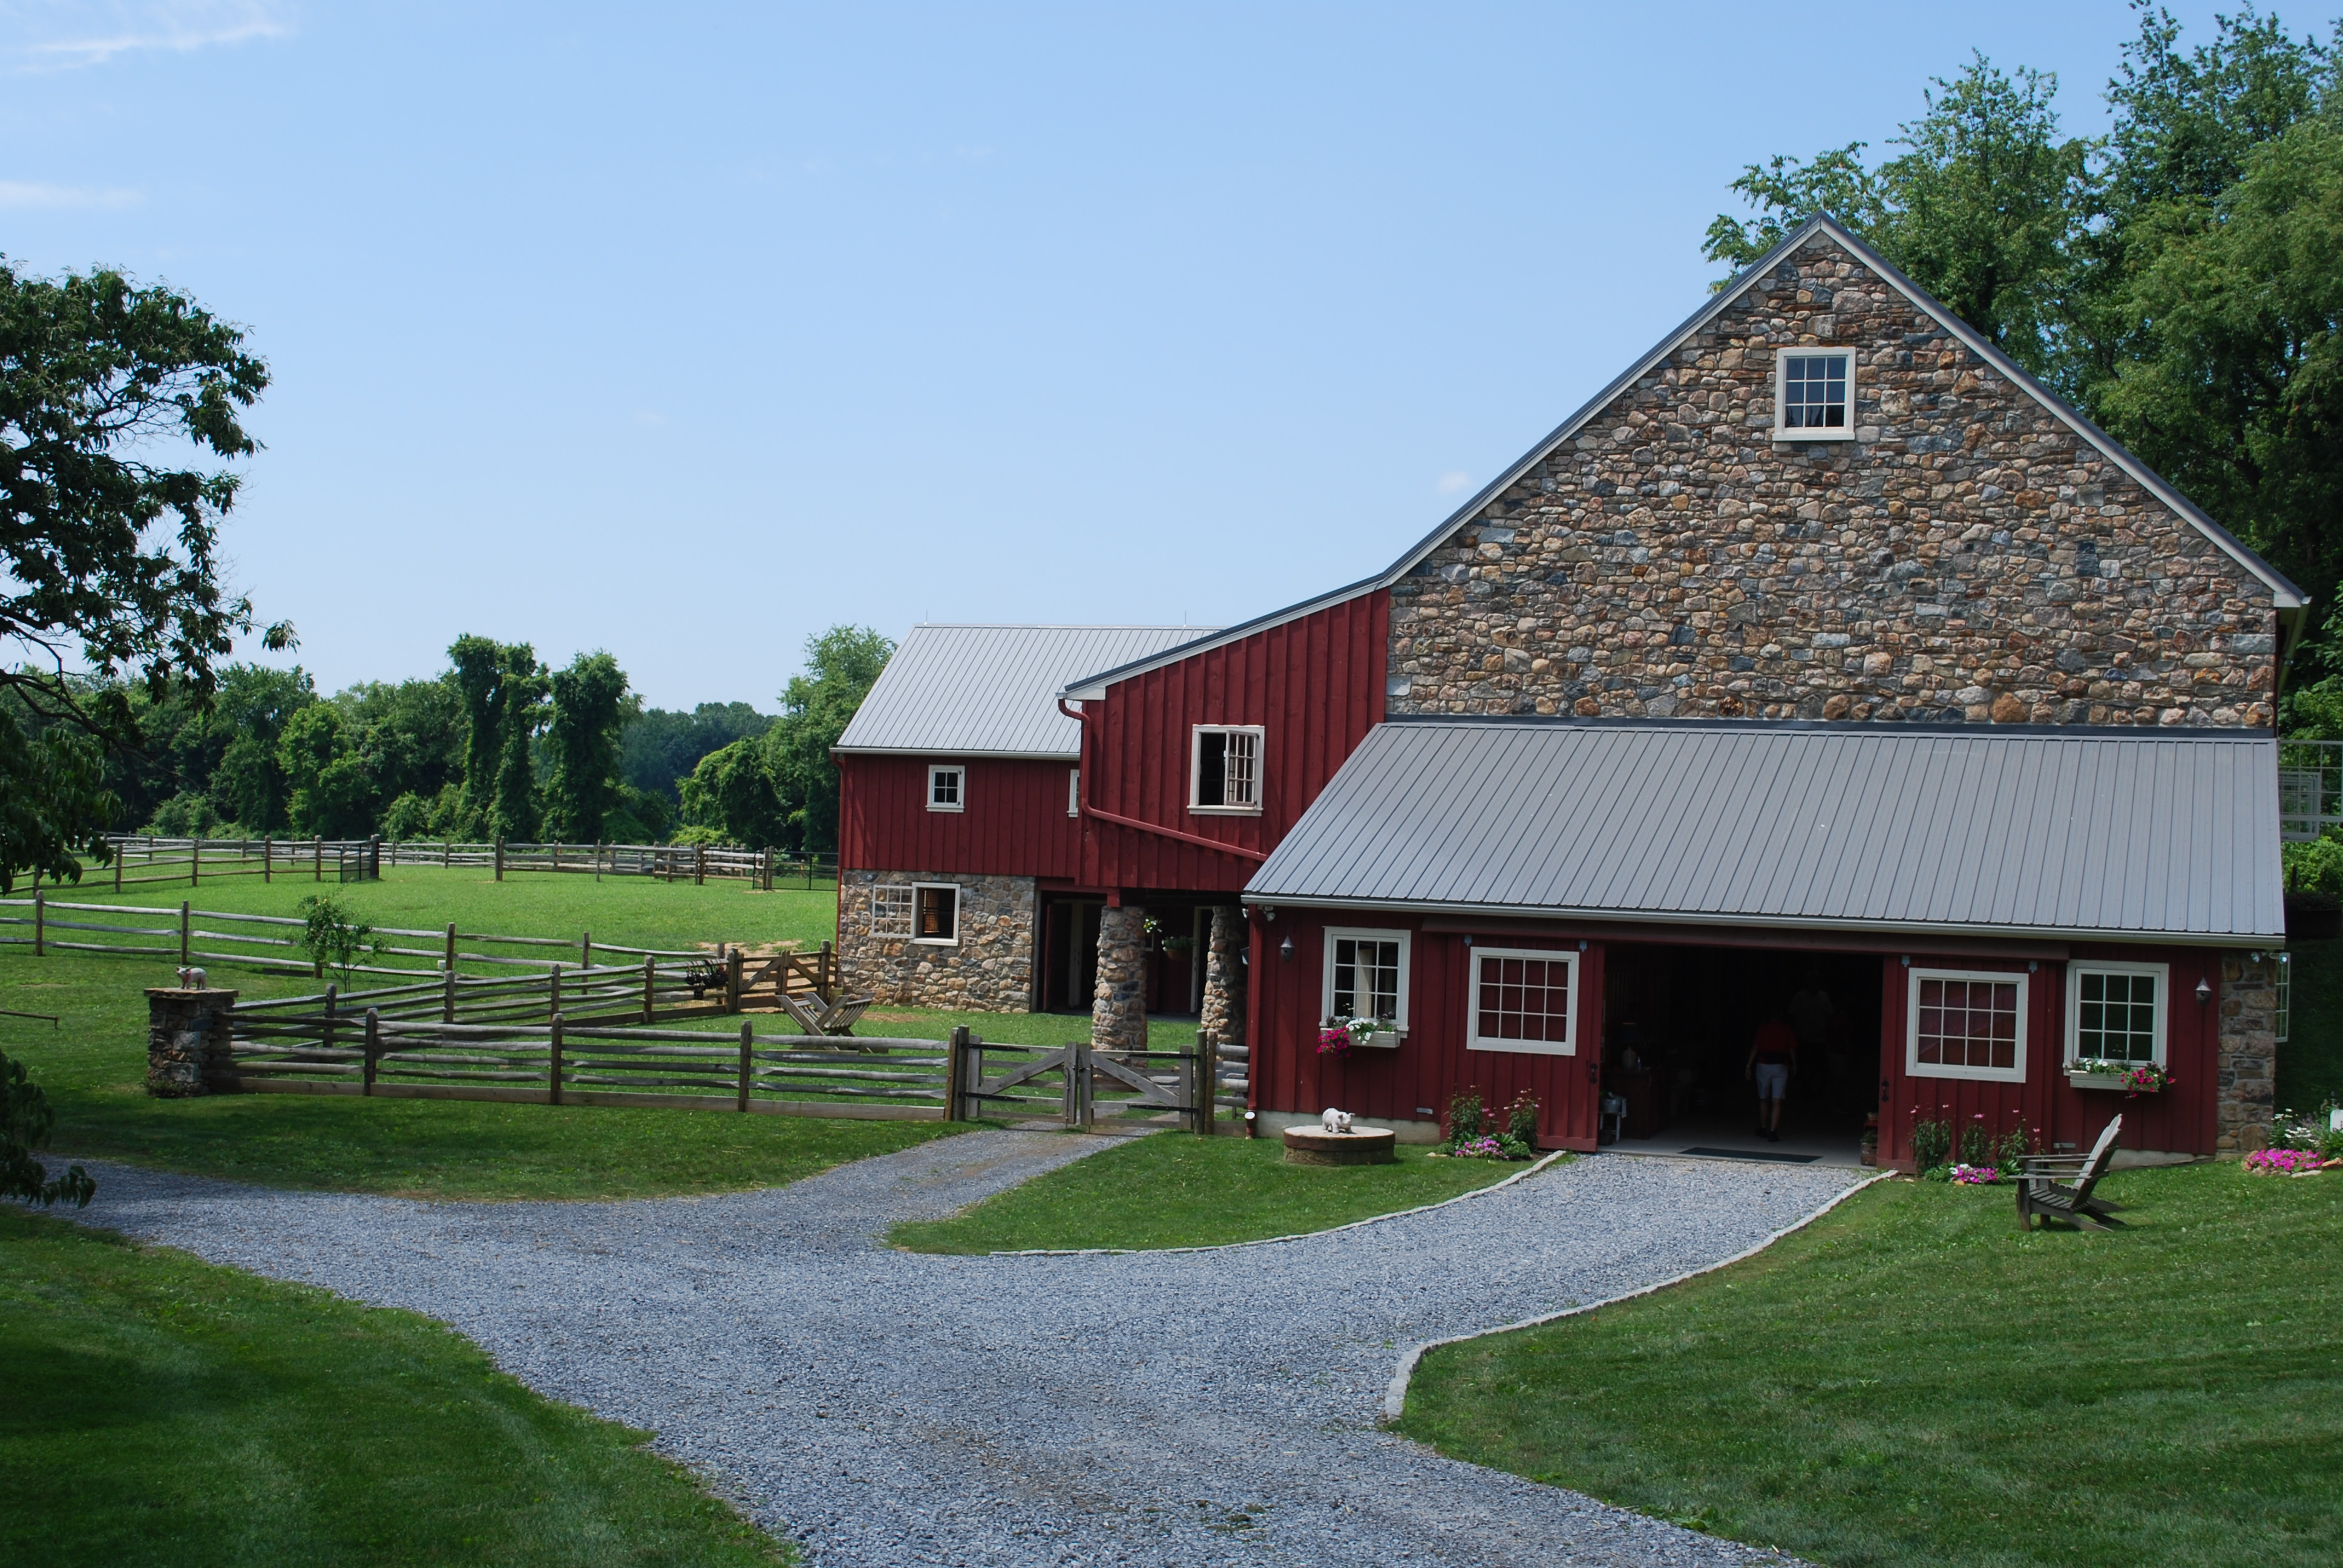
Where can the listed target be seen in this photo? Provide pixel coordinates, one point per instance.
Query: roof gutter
(1784, 922)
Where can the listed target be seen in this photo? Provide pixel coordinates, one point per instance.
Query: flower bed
(2284, 1162)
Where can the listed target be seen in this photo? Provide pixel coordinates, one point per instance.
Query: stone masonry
(1966, 557)
(989, 970)
(1224, 978)
(2247, 1054)
(1119, 1005)
(187, 1042)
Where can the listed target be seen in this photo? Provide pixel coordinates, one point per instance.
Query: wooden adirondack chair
(2059, 1185)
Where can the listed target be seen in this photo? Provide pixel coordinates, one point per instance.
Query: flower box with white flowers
(2129, 1079)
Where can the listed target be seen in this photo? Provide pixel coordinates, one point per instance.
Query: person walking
(1773, 1060)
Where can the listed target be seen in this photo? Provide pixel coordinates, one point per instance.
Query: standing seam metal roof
(2152, 835)
(991, 689)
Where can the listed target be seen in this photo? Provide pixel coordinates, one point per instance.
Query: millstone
(1359, 1146)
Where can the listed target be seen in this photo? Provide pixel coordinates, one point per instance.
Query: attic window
(1224, 768)
(1813, 394)
(947, 789)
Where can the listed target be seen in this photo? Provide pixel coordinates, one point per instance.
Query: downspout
(1083, 718)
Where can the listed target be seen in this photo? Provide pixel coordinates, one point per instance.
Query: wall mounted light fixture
(1285, 948)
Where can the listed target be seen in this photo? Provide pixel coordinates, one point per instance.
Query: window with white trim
(890, 911)
(1966, 1023)
(1224, 767)
(1813, 394)
(2115, 1013)
(947, 788)
(936, 913)
(1523, 999)
(1366, 975)
(1073, 791)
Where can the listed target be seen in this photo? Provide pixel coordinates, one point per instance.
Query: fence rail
(272, 944)
(142, 858)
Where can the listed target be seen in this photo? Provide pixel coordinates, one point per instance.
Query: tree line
(498, 746)
(2179, 279)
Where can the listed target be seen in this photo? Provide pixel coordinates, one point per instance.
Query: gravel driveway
(885, 1408)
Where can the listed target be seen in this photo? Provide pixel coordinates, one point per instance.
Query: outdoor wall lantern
(2204, 991)
(1285, 948)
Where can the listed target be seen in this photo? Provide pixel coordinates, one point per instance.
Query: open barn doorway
(1678, 1022)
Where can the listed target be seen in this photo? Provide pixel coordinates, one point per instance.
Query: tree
(105, 555)
(732, 792)
(1983, 209)
(842, 665)
(503, 690)
(26, 1121)
(591, 710)
(661, 747)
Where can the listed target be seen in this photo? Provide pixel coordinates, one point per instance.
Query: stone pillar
(1119, 1004)
(187, 1042)
(2246, 1058)
(1224, 977)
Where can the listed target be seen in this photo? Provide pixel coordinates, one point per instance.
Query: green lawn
(1912, 1380)
(156, 1410)
(94, 1066)
(1177, 1190)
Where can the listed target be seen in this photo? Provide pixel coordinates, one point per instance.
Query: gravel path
(887, 1408)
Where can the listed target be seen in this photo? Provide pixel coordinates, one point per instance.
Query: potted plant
(2129, 1079)
(1364, 1034)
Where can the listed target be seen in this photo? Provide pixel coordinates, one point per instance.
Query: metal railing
(2309, 788)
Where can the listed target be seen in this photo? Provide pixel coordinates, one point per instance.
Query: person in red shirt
(1773, 1061)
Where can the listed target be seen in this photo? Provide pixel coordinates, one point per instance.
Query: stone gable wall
(1966, 557)
(991, 970)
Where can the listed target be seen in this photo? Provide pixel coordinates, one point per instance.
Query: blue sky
(687, 330)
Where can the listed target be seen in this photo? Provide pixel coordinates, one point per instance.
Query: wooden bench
(2058, 1186)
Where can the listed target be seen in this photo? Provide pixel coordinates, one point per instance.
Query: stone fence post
(187, 1042)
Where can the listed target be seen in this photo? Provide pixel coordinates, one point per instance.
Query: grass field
(1914, 1382)
(158, 1411)
(1176, 1190)
(94, 1066)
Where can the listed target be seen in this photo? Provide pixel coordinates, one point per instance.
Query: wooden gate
(1064, 1083)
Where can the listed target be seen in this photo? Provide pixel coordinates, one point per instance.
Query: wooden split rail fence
(272, 944)
(138, 858)
(1065, 1082)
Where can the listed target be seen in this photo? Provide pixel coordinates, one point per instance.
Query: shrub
(1932, 1142)
(334, 935)
(25, 1119)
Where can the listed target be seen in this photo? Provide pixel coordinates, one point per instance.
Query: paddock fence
(139, 858)
(274, 944)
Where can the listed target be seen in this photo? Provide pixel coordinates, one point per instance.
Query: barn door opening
(1070, 930)
(1681, 1026)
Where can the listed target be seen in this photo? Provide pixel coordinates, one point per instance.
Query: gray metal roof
(2157, 835)
(967, 689)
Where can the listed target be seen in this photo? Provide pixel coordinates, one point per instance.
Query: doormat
(1756, 1154)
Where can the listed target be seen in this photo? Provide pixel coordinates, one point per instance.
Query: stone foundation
(1119, 1005)
(187, 1042)
(990, 969)
(2247, 1058)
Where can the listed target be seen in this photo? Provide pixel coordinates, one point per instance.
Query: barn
(1823, 664)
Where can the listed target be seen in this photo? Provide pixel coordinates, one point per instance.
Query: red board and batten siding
(1413, 1083)
(2178, 1120)
(1014, 822)
(1314, 684)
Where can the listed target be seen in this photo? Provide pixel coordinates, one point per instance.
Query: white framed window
(1523, 999)
(1224, 768)
(1813, 394)
(1964, 1023)
(1366, 975)
(2116, 1011)
(1073, 791)
(935, 914)
(890, 911)
(946, 787)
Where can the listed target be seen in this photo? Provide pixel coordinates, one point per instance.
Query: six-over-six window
(1966, 1023)
(1813, 396)
(1521, 1000)
(2115, 1011)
